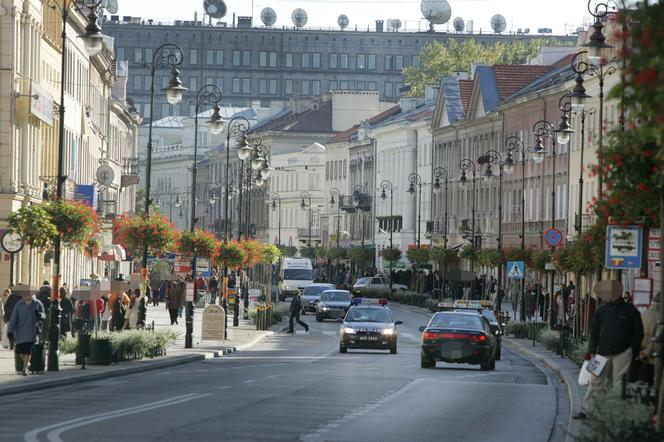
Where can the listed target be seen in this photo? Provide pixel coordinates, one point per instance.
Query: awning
(113, 253)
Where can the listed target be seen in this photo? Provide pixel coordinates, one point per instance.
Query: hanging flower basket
(391, 254)
(153, 232)
(76, 222)
(35, 226)
(270, 254)
(418, 257)
(199, 242)
(229, 254)
(443, 256)
(337, 253)
(366, 253)
(489, 258)
(252, 252)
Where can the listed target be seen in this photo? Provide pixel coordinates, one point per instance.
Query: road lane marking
(410, 337)
(249, 381)
(57, 429)
(273, 376)
(224, 387)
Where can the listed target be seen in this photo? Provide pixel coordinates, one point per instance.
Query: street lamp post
(515, 144)
(438, 173)
(93, 39)
(494, 157)
(208, 94)
(416, 180)
(387, 185)
(276, 203)
(469, 165)
(305, 202)
(237, 126)
(360, 196)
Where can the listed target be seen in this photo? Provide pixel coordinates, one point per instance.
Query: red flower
(643, 187)
(646, 76)
(648, 153)
(646, 38)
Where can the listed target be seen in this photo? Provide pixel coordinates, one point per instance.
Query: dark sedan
(370, 327)
(311, 296)
(458, 337)
(333, 304)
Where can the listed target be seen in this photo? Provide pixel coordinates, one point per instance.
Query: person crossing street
(295, 309)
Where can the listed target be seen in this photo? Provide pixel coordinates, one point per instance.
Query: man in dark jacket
(295, 309)
(616, 332)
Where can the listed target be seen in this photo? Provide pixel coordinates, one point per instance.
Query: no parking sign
(553, 237)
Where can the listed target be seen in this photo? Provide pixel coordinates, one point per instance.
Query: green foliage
(199, 242)
(439, 59)
(516, 254)
(489, 258)
(549, 338)
(76, 222)
(524, 330)
(287, 251)
(313, 252)
(539, 259)
(155, 233)
(130, 345)
(418, 256)
(469, 252)
(365, 253)
(584, 255)
(270, 254)
(443, 256)
(337, 253)
(34, 224)
(390, 254)
(577, 351)
(230, 255)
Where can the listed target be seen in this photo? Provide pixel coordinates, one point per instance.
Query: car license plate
(368, 338)
(453, 349)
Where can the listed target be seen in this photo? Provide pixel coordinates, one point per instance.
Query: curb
(123, 371)
(563, 377)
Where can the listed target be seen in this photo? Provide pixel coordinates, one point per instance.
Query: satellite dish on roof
(437, 12)
(111, 6)
(498, 23)
(343, 21)
(268, 16)
(299, 17)
(215, 8)
(458, 24)
(395, 24)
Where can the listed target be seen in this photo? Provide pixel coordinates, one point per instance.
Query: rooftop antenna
(437, 12)
(395, 24)
(498, 23)
(459, 24)
(343, 21)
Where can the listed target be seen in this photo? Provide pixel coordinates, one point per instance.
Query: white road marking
(224, 387)
(57, 429)
(249, 381)
(273, 376)
(410, 337)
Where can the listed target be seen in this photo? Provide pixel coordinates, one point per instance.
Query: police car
(368, 325)
(485, 308)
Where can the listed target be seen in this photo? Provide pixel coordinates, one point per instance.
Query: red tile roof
(347, 135)
(511, 78)
(466, 88)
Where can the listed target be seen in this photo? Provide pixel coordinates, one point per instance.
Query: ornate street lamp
(438, 174)
(416, 180)
(493, 157)
(276, 202)
(469, 165)
(386, 185)
(305, 202)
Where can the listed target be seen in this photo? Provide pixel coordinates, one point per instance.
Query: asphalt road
(298, 387)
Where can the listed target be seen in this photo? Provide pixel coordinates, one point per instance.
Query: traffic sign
(623, 247)
(553, 237)
(516, 269)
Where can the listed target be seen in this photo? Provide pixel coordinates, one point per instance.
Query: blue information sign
(623, 247)
(516, 269)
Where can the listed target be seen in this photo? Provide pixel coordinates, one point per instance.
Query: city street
(298, 387)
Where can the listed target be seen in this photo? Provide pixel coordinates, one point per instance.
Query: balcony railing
(436, 227)
(303, 233)
(350, 203)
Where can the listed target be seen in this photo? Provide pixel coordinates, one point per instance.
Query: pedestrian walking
(9, 304)
(173, 301)
(67, 314)
(24, 327)
(3, 329)
(131, 314)
(616, 333)
(162, 293)
(295, 309)
(214, 289)
(118, 312)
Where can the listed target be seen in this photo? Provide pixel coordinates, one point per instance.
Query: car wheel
(498, 353)
(304, 312)
(393, 349)
(485, 365)
(427, 363)
(492, 366)
(342, 349)
(319, 318)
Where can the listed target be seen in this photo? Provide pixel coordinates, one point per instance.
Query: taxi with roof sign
(368, 325)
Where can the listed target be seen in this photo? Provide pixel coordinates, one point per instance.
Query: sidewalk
(566, 370)
(239, 338)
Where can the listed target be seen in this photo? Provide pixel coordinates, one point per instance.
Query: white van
(295, 275)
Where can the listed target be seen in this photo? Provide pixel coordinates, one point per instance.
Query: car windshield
(490, 316)
(369, 315)
(361, 281)
(298, 274)
(315, 290)
(466, 322)
(335, 296)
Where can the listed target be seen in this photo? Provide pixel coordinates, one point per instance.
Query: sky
(562, 16)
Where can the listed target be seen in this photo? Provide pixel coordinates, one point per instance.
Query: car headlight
(349, 331)
(388, 331)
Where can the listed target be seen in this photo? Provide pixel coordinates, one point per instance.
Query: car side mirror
(423, 327)
(340, 320)
(398, 322)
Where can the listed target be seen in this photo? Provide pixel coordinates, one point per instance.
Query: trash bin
(101, 352)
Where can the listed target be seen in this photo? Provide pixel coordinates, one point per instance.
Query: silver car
(311, 296)
(333, 304)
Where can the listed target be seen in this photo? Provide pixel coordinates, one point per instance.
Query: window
(306, 87)
(246, 58)
(164, 81)
(389, 89)
(289, 60)
(416, 61)
(138, 81)
(306, 60)
(343, 61)
(236, 58)
(262, 59)
(315, 61)
(288, 87)
(193, 83)
(273, 59)
(246, 86)
(361, 85)
(272, 87)
(343, 85)
(344, 168)
(315, 87)
(334, 61)
(208, 80)
(361, 61)
(165, 110)
(333, 85)
(209, 57)
(193, 56)
(389, 62)
(236, 85)
(219, 57)
(398, 62)
(119, 53)
(327, 170)
(138, 55)
(262, 86)
(148, 55)
(371, 61)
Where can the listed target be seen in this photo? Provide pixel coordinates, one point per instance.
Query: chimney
(430, 92)
(379, 25)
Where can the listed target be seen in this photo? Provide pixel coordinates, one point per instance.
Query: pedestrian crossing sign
(515, 269)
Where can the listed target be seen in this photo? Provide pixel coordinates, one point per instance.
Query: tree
(443, 257)
(489, 258)
(390, 254)
(418, 257)
(439, 59)
(287, 251)
(337, 253)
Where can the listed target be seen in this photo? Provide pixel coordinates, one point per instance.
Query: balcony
(303, 234)
(435, 228)
(359, 202)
